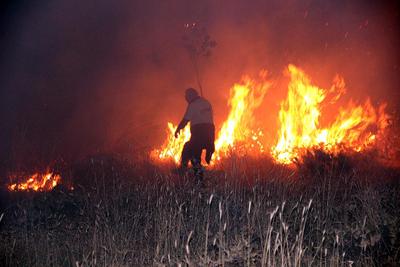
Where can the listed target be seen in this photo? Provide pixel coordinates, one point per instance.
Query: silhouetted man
(200, 115)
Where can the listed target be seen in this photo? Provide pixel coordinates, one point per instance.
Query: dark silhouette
(200, 115)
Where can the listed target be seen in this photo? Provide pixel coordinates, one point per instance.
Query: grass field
(342, 211)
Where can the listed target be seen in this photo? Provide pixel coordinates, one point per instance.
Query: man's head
(191, 94)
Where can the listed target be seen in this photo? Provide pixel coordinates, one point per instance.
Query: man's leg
(197, 167)
(210, 146)
(186, 154)
(196, 154)
(209, 152)
(196, 158)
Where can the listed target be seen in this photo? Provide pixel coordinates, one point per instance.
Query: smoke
(80, 77)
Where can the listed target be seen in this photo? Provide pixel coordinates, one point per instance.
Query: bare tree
(199, 44)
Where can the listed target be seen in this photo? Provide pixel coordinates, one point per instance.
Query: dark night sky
(84, 76)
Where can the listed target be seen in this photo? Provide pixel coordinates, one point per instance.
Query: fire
(237, 133)
(173, 146)
(354, 129)
(36, 182)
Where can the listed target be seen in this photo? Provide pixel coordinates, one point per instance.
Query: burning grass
(331, 210)
(356, 128)
(34, 182)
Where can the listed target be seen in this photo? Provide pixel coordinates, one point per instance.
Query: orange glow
(237, 133)
(355, 128)
(172, 147)
(36, 182)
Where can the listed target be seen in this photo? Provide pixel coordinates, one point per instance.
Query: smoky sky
(84, 77)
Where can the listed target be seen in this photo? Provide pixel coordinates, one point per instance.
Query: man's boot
(198, 170)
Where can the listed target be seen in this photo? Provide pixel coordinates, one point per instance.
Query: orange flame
(172, 147)
(237, 133)
(37, 182)
(355, 128)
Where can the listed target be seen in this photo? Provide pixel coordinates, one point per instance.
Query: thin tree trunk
(196, 69)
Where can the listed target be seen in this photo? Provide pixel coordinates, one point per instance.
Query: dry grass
(328, 212)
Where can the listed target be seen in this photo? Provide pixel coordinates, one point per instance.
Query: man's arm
(181, 125)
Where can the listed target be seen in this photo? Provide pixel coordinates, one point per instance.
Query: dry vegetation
(327, 212)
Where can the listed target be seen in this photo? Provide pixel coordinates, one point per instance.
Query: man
(200, 115)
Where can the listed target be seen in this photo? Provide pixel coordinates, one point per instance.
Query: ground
(326, 211)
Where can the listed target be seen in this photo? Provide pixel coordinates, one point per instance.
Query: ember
(35, 182)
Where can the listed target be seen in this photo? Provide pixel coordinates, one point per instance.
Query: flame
(237, 133)
(172, 147)
(36, 182)
(354, 129)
